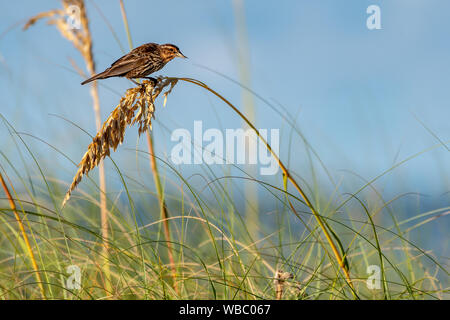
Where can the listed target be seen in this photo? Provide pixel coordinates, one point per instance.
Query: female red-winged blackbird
(140, 62)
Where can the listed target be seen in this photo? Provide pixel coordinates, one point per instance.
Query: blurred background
(365, 100)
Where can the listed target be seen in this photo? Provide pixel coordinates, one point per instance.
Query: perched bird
(140, 62)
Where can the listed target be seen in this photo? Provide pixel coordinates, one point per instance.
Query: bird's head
(170, 51)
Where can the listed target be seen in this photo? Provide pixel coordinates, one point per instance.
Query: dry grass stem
(154, 168)
(12, 204)
(76, 30)
(136, 106)
(78, 35)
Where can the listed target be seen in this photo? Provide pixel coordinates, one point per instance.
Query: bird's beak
(179, 54)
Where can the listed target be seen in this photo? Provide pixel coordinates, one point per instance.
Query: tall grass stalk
(163, 208)
(90, 65)
(248, 102)
(12, 204)
(82, 41)
(154, 168)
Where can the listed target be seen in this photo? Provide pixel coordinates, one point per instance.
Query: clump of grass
(136, 106)
(214, 259)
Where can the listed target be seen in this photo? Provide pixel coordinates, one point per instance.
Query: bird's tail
(101, 75)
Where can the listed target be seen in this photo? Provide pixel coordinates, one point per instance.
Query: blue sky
(357, 92)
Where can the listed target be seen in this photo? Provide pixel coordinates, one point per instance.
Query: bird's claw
(152, 80)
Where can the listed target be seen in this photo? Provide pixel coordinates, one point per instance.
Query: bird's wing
(125, 65)
(137, 52)
(131, 60)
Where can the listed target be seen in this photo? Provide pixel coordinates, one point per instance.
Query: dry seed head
(136, 106)
(80, 37)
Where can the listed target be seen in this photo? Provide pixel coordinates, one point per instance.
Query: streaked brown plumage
(140, 62)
